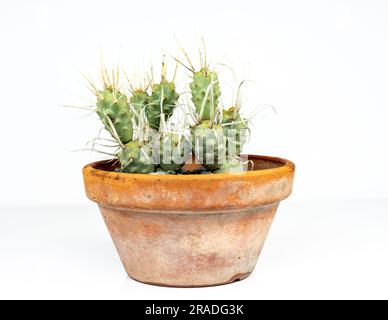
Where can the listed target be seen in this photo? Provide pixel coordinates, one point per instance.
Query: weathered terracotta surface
(190, 230)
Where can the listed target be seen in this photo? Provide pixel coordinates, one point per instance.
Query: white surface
(322, 64)
(314, 250)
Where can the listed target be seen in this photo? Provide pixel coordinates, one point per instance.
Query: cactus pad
(202, 94)
(139, 101)
(170, 98)
(114, 105)
(136, 157)
(209, 144)
(232, 165)
(174, 151)
(236, 131)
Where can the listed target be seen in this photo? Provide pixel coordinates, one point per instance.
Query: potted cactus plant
(183, 206)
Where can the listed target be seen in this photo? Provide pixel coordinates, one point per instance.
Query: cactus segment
(139, 101)
(209, 145)
(112, 104)
(206, 93)
(232, 165)
(136, 157)
(236, 130)
(151, 106)
(174, 151)
(163, 91)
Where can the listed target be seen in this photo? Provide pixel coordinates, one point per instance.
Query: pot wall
(186, 250)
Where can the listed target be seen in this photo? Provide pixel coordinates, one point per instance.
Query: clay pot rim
(286, 167)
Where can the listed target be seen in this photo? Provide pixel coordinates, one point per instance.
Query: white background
(322, 64)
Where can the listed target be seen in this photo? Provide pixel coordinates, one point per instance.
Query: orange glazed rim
(280, 167)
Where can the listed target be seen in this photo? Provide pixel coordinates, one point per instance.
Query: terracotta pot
(190, 230)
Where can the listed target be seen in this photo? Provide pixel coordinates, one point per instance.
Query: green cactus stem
(139, 100)
(236, 130)
(163, 100)
(113, 110)
(174, 151)
(136, 157)
(209, 145)
(206, 93)
(232, 165)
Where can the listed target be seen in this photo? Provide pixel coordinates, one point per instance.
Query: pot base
(236, 278)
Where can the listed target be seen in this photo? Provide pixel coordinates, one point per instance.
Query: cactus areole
(184, 206)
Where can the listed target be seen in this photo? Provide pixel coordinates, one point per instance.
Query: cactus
(162, 91)
(209, 144)
(136, 157)
(143, 128)
(209, 141)
(232, 165)
(235, 129)
(151, 104)
(113, 110)
(174, 151)
(206, 93)
(139, 100)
